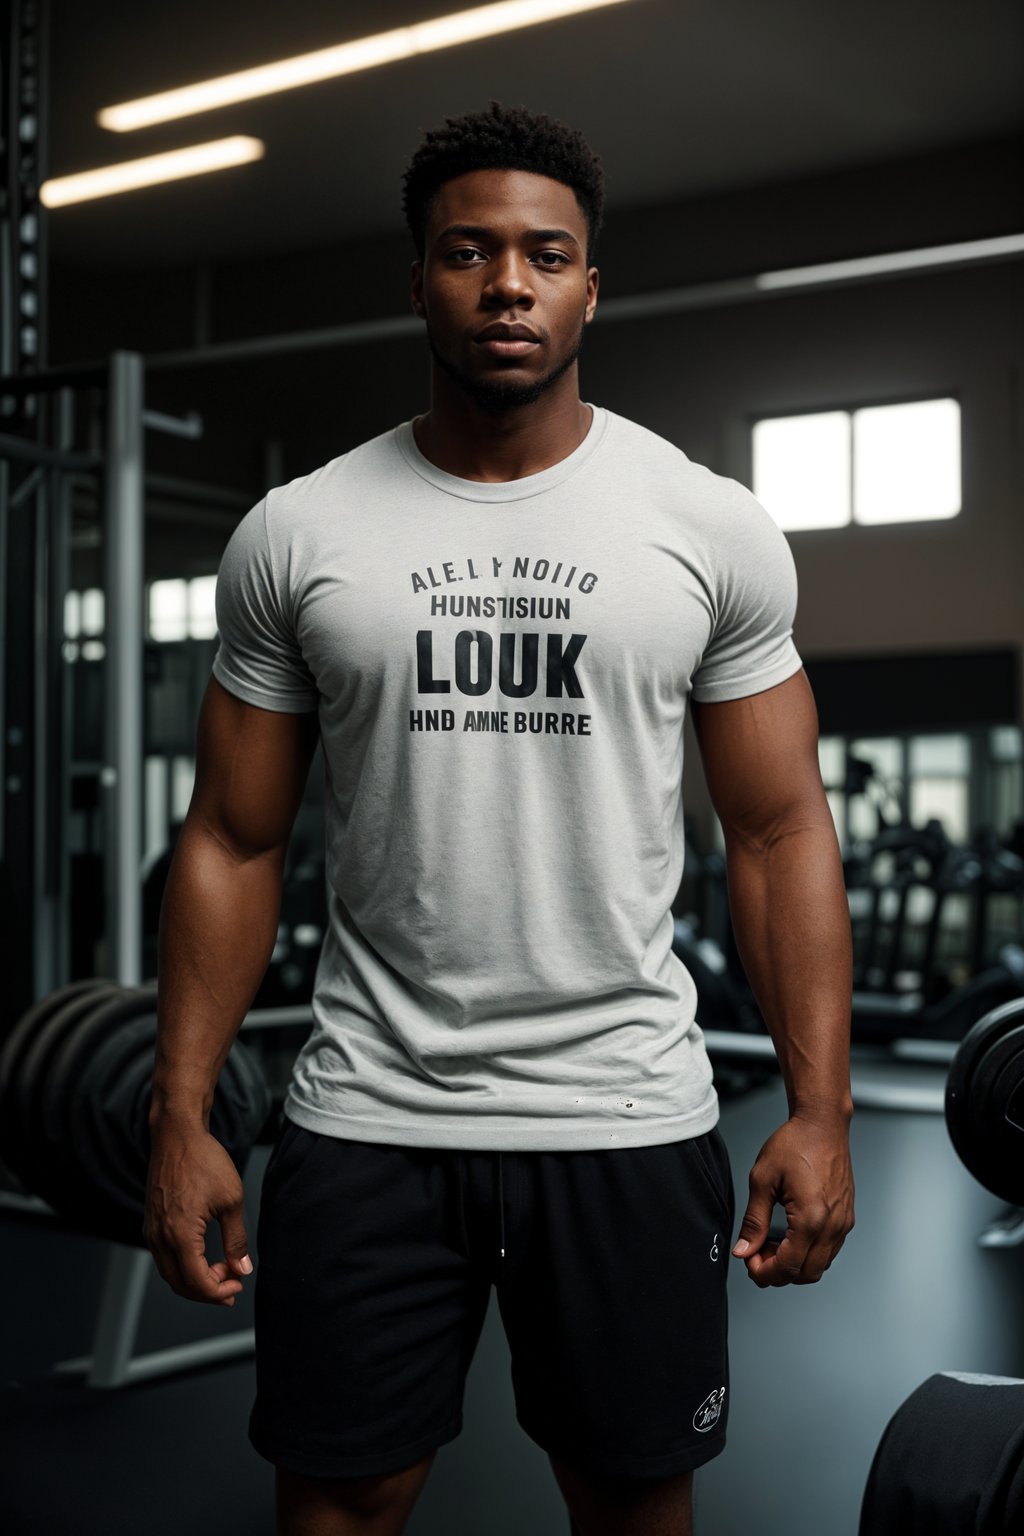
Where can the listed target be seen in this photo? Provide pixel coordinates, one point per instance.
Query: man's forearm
(218, 925)
(791, 918)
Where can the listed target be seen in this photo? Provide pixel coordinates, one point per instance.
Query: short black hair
(502, 139)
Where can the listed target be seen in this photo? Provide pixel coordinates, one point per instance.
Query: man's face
(504, 285)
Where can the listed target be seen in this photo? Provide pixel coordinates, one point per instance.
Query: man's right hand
(192, 1181)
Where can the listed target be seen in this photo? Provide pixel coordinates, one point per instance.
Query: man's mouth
(502, 340)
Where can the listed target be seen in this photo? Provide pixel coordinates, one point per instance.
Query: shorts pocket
(288, 1136)
(718, 1178)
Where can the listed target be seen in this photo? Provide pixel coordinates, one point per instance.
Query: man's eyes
(464, 256)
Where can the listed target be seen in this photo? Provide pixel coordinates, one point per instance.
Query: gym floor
(817, 1371)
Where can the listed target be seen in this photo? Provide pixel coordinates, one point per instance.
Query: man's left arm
(791, 918)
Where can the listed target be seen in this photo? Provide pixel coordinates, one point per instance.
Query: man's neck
(456, 435)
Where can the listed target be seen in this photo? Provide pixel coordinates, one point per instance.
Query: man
(494, 618)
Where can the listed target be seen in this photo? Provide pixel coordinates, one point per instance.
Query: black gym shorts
(374, 1265)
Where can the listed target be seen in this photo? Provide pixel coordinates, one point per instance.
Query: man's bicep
(760, 757)
(251, 770)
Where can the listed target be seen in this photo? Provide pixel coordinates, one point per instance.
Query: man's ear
(416, 289)
(593, 279)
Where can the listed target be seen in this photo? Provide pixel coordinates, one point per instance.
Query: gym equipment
(985, 1101)
(291, 972)
(75, 1095)
(904, 986)
(722, 1004)
(917, 855)
(950, 1461)
(21, 1044)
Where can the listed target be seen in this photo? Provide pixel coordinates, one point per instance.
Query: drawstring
(501, 1205)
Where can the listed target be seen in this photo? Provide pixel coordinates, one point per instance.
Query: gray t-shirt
(501, 673)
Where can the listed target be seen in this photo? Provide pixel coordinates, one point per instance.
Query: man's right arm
(218, 925)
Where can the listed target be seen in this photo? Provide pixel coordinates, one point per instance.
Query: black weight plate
(62, 1063)
(105, 1193)
(27, 1071)
(993, 1086)
(24, 1029)
(79, 1046)
(983, 1081)
(107, 1139)
(17, 1040)
(78, 1184)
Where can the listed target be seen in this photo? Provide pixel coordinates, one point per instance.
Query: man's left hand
(804, 1167)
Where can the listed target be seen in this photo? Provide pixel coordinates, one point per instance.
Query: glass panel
(831, 759)
(940, 755)
(1007, 807)
(168, 610)
(155, 807)
(1004, 922)
(72, 615)
(1005, 743)
(837, 805)
(183, 774)
(861, 819)
(945, 799)
(92, 611)
(885, 752)
(906, 462)
(802, 469)
(202, 616)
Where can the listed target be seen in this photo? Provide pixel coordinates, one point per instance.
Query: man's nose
(510, 281)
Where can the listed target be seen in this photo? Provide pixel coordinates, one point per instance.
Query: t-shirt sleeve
(259, 658)
(751, 644)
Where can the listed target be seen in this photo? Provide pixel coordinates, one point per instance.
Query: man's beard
(497, 394)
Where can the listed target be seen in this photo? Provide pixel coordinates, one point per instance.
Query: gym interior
(812, 281)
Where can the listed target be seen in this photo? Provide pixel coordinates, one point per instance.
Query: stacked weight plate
(75, 1089)
(21, 1063)
(985, 1101)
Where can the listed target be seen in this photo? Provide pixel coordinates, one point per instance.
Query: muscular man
(494, 618)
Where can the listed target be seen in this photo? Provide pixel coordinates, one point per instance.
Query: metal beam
(641, 306)
(121, 777)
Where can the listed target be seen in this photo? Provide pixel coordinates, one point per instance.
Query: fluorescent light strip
(898, 261)
(150, 171)
(345, 59)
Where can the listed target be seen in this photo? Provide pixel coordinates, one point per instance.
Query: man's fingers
(236, 1243)
(757, 1220)
(779, 1263)
(796, 1260)
(181, 1261)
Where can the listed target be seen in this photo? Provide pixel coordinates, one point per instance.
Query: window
(183, 610)
(83, 624)
(963, 780)
(176, 610)
(832, 763)
(877, 464)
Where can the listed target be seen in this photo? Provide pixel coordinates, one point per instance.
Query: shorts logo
(714, 1249)
(709, 1412)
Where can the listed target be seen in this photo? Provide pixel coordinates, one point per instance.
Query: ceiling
(678, 97)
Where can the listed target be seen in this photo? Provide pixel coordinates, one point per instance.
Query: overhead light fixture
(150, 171)
(897, 261)
(344, 59)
